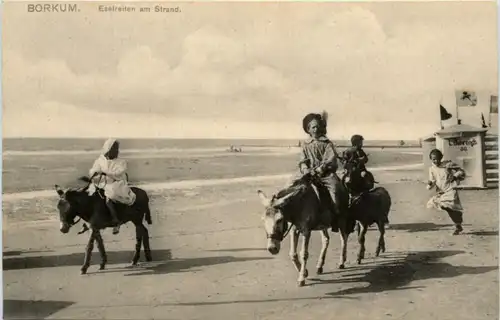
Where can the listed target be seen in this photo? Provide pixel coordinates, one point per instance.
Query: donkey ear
(279, 202)
(59, 191)
(263, 198)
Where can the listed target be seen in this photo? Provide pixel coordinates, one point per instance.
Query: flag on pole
(445, 115)
(466, 98)
(483, 121)
(494, 104)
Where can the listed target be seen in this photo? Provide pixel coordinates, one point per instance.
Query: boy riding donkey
(109, 173)
(354, 159)
(319, 159)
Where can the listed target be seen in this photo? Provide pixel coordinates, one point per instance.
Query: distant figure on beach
(234, 149)
(109, 173)
(444, 176)
(357, 158)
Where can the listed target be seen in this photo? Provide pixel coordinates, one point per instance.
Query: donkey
(305, 209)
(366, 206)
(92, 209)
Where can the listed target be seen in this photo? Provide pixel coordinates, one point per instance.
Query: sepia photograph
(250, 160)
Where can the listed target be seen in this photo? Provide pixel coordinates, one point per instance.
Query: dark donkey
(305, 209)
(366, 207)
(92, 209)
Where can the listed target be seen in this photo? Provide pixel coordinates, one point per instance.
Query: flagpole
(440, 120)
(489, 113)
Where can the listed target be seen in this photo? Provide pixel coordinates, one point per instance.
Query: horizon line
(192, 138)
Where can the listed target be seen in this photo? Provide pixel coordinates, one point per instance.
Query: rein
(98, 182)
(75, 222)
(287, 231)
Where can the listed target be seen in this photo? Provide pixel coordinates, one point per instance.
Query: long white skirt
(118, 191)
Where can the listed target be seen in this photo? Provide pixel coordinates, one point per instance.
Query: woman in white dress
(109, 173)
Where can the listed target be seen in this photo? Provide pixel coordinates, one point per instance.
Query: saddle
(356, 184)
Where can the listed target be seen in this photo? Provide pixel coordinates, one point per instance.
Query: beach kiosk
(464, 145)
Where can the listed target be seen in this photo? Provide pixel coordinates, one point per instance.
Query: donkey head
(66, 205)
(275, 223)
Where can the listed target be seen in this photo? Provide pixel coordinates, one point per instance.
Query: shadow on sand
(185, 265)
(419, 226)
(239, 250)
(483, 233)
(19, 253)
(76, 259)
(430, 226)
(29, 309)
(396, 274)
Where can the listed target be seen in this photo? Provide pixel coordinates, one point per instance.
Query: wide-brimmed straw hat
(321, 118)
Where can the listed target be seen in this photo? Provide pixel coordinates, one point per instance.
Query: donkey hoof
(341, 266)
(83, 271)
(102, 267)
(319, 270)
(358, 261)
(149, 258)
(306, 274)
(301, 283)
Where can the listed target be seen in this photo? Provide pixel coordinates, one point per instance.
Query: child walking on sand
(444, 176)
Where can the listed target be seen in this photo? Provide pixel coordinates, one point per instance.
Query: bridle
(278, 236)
(73, 222)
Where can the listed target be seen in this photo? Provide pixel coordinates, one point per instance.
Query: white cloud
(268, 69)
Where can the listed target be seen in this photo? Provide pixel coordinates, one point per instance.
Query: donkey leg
(145, 243)
(304, 255)
(102, 250)
(138, 244)
(325, 241)
(88, 253)
(344, 236)
(361, 240)
(294, 242)
(381, 240)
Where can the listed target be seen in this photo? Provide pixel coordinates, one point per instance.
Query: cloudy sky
(245, 70)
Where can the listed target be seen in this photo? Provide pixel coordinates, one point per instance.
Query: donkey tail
(142, 200)
(147, 217)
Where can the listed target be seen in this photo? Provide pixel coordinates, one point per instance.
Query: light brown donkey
(300, 210)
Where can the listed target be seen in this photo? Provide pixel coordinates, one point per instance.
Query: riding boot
(331, 185)
(114, 216)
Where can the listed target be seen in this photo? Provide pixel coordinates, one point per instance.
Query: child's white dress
(444, 178)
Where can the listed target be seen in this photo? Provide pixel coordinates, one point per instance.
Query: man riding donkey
(109, 173)
(319, 159)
